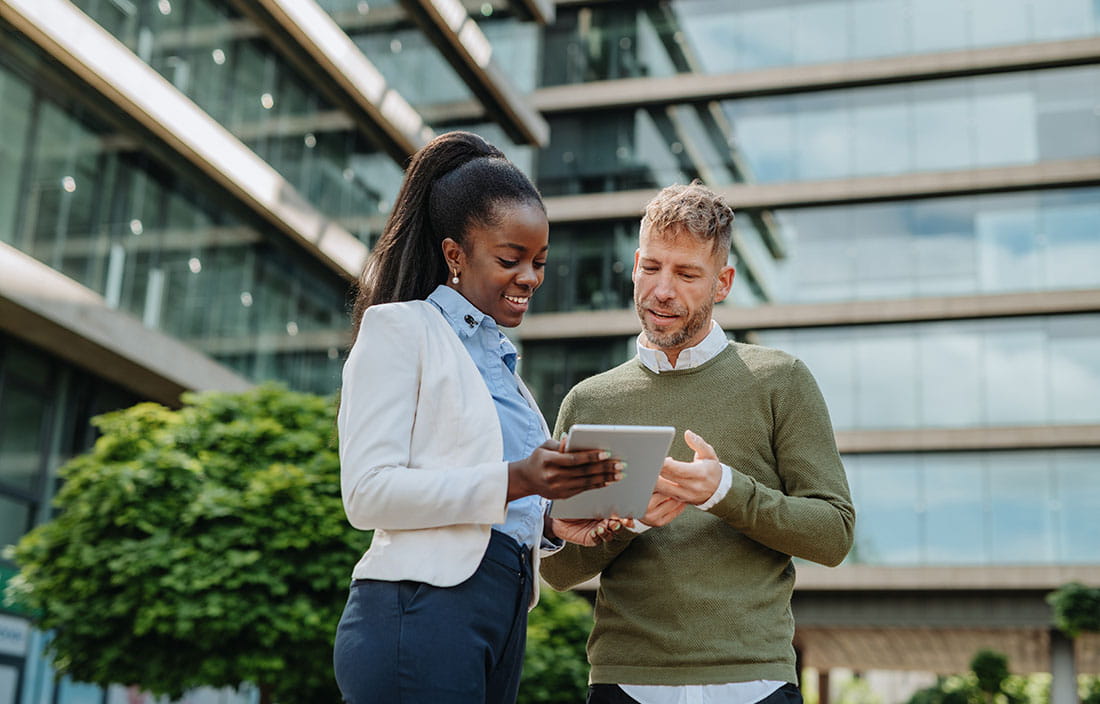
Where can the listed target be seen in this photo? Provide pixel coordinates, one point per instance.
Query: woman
(443, 452)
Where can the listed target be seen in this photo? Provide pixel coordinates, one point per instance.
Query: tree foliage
(1076, 608)
(990, 668)
(202, 546)
(555, 669)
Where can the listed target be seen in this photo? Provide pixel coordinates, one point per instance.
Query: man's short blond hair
(694, 209)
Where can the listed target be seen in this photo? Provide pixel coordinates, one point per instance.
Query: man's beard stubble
(677, 338)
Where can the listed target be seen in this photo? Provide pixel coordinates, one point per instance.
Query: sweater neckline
(684, 372)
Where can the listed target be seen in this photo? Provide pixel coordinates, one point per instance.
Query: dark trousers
(412, 643)
(613, 694)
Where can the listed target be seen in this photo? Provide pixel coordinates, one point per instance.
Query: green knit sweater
(706, 599)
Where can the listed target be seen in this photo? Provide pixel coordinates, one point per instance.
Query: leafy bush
(1076, 608)
(555, 670)
(204, 546)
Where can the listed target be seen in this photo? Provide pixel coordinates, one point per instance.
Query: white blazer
(420, 449)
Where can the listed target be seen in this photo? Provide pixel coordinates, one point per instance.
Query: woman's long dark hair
(456, 180)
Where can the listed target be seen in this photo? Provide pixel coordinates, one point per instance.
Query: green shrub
(555, 670)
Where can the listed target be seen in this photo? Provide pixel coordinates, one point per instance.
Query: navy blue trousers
(412, 643)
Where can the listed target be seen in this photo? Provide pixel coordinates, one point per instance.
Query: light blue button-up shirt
(495, 357)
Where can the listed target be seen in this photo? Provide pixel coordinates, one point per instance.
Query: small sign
(14, 633)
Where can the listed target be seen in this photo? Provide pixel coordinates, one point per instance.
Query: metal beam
(462, 43)
(753, 196)
(622, 323)
(959, 439)
(51, 311)
(540, 11)
(697, 87)
(76, 42)
(352, 80)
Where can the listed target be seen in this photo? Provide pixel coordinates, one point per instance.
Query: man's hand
(661, 510)
(691, 482)
(587, 531)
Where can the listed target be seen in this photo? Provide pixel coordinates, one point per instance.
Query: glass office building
(188, 189)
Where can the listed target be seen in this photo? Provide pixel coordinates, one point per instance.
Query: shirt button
(470, 320)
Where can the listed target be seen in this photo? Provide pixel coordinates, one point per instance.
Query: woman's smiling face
(500, 266)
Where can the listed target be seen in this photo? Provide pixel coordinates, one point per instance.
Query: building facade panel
(606, 41)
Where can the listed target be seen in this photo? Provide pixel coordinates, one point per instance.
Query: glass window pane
(886, 385)
(950, 377)
(1020, 514)
(954, 511)
(22, 415)
(1074, 366)
(1078, 505)
(881, 122)
(820, 32)
(878, 28)
(885, 491)
(1015, 383)
(15, 517)
(939, 25)
(941, 127)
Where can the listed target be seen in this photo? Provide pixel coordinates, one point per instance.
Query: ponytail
(456, 180)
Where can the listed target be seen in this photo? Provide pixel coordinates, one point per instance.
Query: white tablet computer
(642, 447)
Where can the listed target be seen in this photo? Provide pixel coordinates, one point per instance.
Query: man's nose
(664, 288)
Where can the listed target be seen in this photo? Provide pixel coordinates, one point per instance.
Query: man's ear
(725, 283)
(634, 271)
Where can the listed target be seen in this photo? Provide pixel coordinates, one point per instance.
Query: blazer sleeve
(379, 401)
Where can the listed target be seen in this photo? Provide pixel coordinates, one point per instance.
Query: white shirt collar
(708, 349)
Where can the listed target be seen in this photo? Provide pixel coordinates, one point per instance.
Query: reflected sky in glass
(976, 508)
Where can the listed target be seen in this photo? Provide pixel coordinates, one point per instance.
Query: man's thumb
(703, 450)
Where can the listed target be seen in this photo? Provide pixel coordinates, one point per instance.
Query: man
(694, 602)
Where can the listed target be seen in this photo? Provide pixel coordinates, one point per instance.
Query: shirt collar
(709, 348)
(465, 319)
(463, 316)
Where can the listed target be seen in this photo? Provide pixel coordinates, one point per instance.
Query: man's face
(677, 280)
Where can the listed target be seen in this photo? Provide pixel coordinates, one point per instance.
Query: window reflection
(626, 40)
(976, 508)
(953, 374)
(952, 124)
(160, 245)
(942, 247)
(220, 60)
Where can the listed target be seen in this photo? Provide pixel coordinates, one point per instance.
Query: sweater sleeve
(813, 517)
(574, 564)
(379, 401)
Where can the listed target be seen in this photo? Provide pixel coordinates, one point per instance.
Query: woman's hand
(588, 531)
(555, 474)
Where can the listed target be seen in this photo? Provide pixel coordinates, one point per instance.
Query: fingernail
(618, 476)
(600, 530)
(620, 466)
(605, 456)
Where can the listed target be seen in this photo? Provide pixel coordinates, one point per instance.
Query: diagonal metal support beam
(324, 52)
(142, 95)
(540, 11)
(465, 47)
